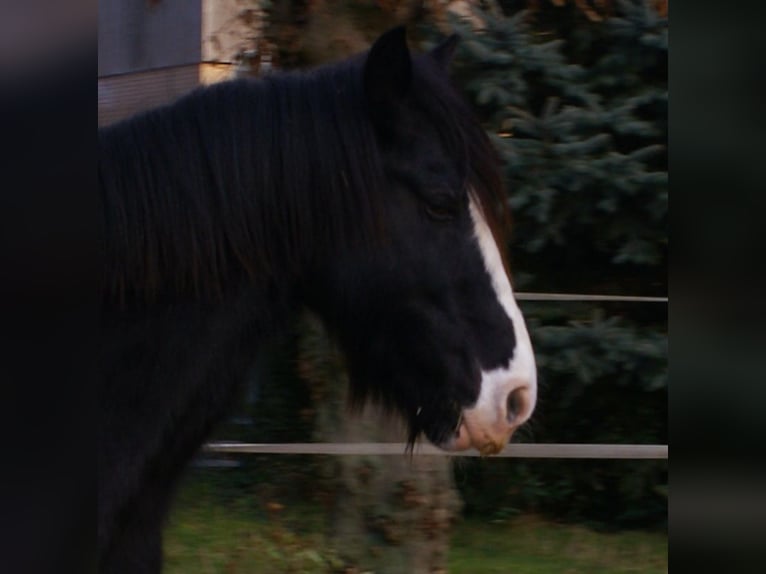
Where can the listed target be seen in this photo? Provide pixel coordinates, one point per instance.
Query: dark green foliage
(578, 112)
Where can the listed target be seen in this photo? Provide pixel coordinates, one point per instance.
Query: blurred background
(574, 93)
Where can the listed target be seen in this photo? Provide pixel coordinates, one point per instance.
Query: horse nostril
(515, 404)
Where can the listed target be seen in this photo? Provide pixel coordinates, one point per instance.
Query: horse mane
(253, 178)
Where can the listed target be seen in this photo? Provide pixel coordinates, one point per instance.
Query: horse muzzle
(489, 425)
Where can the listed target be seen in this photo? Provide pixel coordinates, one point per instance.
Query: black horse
(365, 191)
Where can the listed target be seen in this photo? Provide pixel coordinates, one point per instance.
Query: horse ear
(444, 52)
(388, 71)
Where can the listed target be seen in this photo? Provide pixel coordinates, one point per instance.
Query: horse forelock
(469, 144)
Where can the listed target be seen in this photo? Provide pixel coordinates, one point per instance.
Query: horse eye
(440, 212)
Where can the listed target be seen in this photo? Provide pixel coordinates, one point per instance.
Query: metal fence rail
(562, 451)
(557, 451)
(522, 296)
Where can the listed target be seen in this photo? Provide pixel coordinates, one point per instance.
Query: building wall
(122, 96)
(148, 54)
(152, 52)
(137, 36)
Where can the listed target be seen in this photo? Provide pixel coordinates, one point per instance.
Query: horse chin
(459, 442)
(466, 438)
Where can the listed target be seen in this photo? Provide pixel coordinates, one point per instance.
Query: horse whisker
(459, 422)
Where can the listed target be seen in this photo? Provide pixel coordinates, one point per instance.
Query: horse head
(427, 320)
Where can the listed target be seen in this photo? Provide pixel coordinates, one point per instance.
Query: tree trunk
(388, 514)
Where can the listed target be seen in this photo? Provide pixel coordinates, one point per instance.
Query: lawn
(531, 545)
(241, 536)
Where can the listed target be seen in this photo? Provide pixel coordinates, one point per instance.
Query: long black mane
(254, 178)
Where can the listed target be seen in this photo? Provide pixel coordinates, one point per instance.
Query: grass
(246, 535)
(208, 534)
(531, 545)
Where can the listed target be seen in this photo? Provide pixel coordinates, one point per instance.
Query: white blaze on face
(487, 424)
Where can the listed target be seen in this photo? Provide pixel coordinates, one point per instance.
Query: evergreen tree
(578, 111)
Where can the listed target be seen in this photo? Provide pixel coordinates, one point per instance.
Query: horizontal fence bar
(571, 451)
(522, 296)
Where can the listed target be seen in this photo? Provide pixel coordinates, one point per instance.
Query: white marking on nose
(521, 372)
